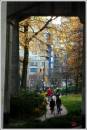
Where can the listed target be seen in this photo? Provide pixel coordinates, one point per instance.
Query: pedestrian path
(54, 114)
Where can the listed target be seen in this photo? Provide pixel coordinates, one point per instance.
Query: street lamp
(45, 71)
(65, 66)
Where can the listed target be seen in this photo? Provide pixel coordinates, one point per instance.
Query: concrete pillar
(6, 89)
(12, 66)
(10, 63)
(14, 58)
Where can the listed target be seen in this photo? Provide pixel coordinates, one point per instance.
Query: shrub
(43, 93)
(27, 104)
(70, 89)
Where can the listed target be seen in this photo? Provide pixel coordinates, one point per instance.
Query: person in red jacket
(49, 93)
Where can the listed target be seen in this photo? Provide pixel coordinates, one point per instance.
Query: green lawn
(73, 105)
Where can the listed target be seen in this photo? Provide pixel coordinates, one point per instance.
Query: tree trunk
(24, 72)
(76, 87)
(66, 83)
(25, 61)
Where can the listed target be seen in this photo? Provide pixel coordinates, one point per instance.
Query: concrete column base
(83, 121)
(6, 119)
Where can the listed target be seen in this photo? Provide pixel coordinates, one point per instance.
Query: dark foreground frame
(17, 11)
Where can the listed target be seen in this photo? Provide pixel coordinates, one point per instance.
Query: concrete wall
(21, 10)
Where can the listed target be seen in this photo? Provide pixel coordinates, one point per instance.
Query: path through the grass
(54, 114)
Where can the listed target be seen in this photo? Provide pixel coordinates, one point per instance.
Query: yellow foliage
(64, 34)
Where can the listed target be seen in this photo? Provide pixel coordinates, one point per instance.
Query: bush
(73, 105)
(43, 93)
(70, 89)
(27, 104)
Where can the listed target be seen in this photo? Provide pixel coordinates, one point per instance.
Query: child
(52, 104)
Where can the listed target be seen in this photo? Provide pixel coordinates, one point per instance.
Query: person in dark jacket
(52, 105)
(58, 103)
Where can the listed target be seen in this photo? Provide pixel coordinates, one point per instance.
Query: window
(33, 64)
(33, 69)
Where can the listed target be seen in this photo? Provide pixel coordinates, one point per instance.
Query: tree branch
(41, 29)
(40, 40)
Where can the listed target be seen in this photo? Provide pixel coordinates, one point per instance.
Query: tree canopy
(63, 34)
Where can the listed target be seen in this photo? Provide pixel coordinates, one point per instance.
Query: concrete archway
(17, 11)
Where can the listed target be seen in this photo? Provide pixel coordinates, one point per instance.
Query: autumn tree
(32, 37)
(27, 36)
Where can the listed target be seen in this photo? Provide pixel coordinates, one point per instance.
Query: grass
(73, 105)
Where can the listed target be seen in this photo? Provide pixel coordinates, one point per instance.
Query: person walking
(57, 91)
(52, 105)
(49, 94)
(58, 103)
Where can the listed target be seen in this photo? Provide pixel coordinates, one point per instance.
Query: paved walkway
(54, 114)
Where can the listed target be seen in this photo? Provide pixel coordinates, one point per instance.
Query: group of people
(54, 100)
